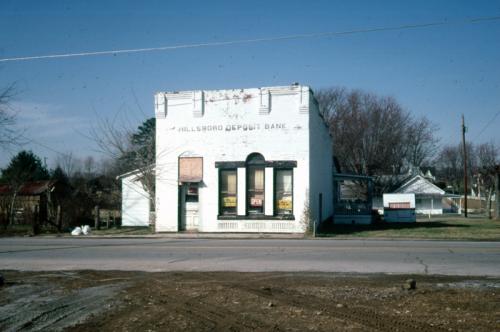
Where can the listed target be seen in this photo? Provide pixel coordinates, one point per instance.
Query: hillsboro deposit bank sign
(232, 127)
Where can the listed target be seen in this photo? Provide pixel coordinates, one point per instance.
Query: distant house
(37, 198)
(136, 202)
(428, 196)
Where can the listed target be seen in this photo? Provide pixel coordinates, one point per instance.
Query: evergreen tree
(24, 167)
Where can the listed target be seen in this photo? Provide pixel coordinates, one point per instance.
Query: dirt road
(230, 301)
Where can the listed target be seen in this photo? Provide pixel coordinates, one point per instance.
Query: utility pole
(465, 166)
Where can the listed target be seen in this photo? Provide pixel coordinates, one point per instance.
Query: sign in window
(227, 194)
(255, 190)
(283, 191)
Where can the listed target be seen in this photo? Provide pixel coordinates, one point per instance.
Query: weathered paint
(281, 123)
(135, 202)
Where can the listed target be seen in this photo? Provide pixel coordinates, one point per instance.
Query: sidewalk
(194, 235)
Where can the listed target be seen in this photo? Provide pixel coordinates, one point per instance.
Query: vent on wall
(227, 225)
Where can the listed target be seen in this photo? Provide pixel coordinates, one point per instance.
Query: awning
(190, 169)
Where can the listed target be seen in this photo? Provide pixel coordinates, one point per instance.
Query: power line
(32, 141)
(256, 40)
(488, 124)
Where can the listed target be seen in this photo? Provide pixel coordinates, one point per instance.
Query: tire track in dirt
(355, 314)
(215, 316)
(51, 309)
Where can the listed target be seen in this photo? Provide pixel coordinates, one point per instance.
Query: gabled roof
(419, 185)
(29, 188)
(136, 172)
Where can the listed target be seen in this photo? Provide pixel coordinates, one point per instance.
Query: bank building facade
(243, 160)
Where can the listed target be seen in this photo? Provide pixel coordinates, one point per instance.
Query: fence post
(59, 218)
(34, 224)
(96, 217)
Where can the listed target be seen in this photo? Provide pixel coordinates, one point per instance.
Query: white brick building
(246, 160)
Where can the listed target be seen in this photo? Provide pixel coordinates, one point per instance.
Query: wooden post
(59, 218)
(34, 222)
(96, 217)
(432, 207)
(497, 195)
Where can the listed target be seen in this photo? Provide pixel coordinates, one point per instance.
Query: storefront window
(227, 193)
(279, 175)
(255, 190)
(283, 192)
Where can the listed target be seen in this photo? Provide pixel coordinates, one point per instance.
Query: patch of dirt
(230, 301)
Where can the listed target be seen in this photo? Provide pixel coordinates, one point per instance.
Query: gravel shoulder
(232, 301)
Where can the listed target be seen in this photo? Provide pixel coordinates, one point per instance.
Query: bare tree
(487, 159)
(8, 133)
(450, 165)
(89, 166)
(68, 163)
(131, 149)
(374, 135)
(421, 141)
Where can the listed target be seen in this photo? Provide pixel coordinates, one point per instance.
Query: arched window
(255, 167)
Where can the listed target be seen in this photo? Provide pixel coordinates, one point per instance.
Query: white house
(243, 160)
(428, 196)
(399, 208)
(136, 202)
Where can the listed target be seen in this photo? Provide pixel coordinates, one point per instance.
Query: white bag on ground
(76, 231)
(86, 230)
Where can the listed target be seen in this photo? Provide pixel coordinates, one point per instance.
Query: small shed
(428, 196)
(136, 201)
(399, 208)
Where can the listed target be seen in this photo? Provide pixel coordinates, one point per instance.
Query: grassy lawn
(444, 227)
(123, 231)
(438, 227)
(24, 230)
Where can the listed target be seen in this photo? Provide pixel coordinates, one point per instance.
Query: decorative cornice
(265, 102)
(161, 104)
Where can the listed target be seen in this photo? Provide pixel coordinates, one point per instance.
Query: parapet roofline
(281, 88)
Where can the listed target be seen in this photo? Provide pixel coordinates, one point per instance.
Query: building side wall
(229, 125)
(135, 203)
(321, 165)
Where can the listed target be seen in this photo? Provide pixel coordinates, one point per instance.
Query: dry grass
(476, 228)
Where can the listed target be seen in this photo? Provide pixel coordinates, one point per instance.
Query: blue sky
(440, 72)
